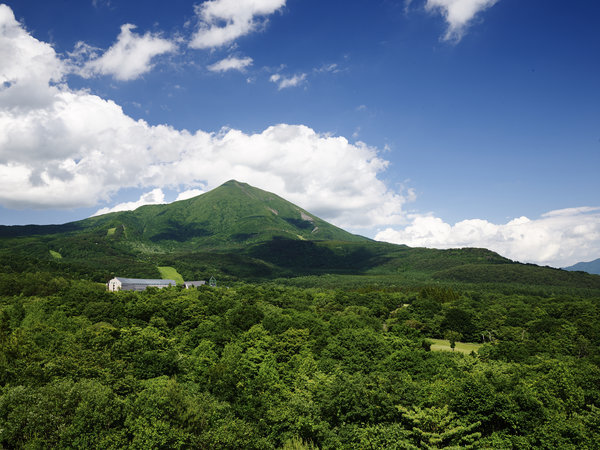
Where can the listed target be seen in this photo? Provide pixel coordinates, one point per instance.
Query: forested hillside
(273, 366)
(240, 233)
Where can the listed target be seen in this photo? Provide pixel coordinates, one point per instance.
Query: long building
(196, 284)
(137, 284)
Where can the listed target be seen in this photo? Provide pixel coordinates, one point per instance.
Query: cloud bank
(558, 238)
(458, 14)
(154, 197)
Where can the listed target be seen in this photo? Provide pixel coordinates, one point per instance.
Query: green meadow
(170, 273)
(444, 345)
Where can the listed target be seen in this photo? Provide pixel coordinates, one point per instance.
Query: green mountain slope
(228, 216)
(237, 231)
(213, 232)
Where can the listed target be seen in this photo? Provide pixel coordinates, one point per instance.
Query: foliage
(275, 366)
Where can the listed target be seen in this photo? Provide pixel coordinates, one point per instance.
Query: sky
(431, 123)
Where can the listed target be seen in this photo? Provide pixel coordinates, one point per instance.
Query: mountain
(592, 267)
(234, 213)
(237, 231)
(215, 231)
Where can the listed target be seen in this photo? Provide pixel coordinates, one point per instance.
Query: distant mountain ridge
(592, 267)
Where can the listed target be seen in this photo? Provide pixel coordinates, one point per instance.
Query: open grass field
(444, 346)
(55, 255)
(111, 231)
(170, 273)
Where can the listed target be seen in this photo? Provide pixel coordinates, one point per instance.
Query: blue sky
(441, 123)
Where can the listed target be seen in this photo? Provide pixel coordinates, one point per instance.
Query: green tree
(453, 337)
(438, 428)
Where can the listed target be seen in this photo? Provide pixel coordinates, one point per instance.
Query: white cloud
(128, 58)
(327, 68)
(74, 149)
(190, 193)
(230, 63)
(559, 238)
(570, 211)
(223, 21)
(23, 58)
(287, 82)
(154, 197)
(28, 68)
(458, 14)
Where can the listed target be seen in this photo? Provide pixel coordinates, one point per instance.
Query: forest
(296, 365)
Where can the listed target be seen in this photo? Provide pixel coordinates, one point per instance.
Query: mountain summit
(232, 214)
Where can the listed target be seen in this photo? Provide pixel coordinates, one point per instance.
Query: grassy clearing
(444, 346)
(111, 231)
(55, 255)
(171, 274)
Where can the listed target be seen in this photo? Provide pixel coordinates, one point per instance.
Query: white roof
(146, 281)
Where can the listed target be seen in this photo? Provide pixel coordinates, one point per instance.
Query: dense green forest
(297, 364)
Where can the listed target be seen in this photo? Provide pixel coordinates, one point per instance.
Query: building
(137, 284)
(196, 284)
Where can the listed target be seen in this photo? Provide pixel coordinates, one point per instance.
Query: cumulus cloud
(283, 82)
(64, 148)
(154, 197)
(230, 63)
(29, 69)
(458, 14)
(558, 238)
(190, 193)
(129, 57)
(223, 21)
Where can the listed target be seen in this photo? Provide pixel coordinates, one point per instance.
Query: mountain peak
(232, 214)
(233, 182)
(592, 267)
